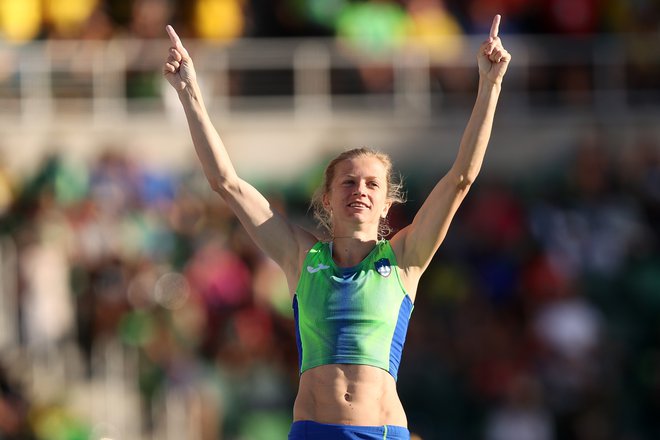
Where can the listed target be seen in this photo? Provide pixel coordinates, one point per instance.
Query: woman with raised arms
(352, 295)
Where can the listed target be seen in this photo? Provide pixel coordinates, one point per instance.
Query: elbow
(222, 185)
(464, 181)
(217, 185)
(464, 176)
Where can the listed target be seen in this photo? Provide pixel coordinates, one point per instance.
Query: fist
(493, 59)
(178, 69)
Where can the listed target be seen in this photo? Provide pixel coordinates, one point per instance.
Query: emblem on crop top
(319, 267)
(383, 267)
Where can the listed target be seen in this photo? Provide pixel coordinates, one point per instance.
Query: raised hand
(178, 69)
(492, 57)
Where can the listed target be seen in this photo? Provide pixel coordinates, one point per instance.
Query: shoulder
(306, 241)
(408, 274)
(314, 251)
(385, 247)
(308, 245)
(396, 246)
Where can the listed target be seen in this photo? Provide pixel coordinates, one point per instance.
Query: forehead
(361, 166)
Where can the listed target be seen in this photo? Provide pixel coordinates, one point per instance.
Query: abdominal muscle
(348, 395)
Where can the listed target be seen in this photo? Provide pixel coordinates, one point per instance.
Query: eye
(347, 182)
(373, 184)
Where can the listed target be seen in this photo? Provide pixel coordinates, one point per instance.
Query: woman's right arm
(281, 240)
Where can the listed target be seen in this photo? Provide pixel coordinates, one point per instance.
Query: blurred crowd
(378, 20)
(537, 320)
(605, 44)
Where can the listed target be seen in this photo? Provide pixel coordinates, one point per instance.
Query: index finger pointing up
(174, 38)
(494, 28)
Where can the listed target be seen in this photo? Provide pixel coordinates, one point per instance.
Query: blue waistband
(307, 429)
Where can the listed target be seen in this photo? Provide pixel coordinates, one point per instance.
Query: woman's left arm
(417, 243)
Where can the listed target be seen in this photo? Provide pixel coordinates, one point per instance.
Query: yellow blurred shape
(68, 16)
(20, 20)
(219, 19)
(439, 32)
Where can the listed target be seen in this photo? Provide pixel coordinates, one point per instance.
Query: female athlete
(352, 295)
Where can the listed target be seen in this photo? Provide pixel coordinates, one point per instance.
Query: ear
(326, 201)
(386, 209)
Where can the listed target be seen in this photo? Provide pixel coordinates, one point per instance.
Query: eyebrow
(355, 175)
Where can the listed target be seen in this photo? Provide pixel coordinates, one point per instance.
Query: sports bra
(351, 315)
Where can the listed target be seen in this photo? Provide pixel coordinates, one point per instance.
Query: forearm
(477, 133)
(210, 150)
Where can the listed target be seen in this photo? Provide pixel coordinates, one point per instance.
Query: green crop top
(352, 315)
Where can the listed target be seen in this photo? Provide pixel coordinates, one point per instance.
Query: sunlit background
(133, 305)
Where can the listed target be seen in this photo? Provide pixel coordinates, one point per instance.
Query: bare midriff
(348, 395)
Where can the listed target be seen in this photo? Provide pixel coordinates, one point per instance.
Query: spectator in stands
(521, 415)
(219, 20)
(67, 18)
(14, 409)
(149, 16)
(7, 187)
(370, 32)
(20, 21)
(434, 27)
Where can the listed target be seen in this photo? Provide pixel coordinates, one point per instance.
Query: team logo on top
(320, 266)
(383, 267)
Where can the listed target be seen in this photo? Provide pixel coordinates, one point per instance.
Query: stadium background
(133, 306)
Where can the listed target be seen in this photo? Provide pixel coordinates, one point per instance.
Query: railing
(112, 80)
(8, 294)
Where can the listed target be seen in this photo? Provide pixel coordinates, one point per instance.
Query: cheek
(381, 197)
(328, 199)
(334, 197)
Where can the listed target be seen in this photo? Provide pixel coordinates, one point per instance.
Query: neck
(355, 233)
(348, 251)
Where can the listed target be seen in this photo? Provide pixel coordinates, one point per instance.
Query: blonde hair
(395, 193)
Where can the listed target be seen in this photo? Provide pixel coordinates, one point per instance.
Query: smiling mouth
(357, 205)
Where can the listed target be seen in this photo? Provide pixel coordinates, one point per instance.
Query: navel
(348, 397)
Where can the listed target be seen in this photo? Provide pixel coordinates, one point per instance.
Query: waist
(349, 395)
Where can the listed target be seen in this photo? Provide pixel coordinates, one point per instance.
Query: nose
(360, 189)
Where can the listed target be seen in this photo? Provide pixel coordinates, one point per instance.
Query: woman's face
(358, 192)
